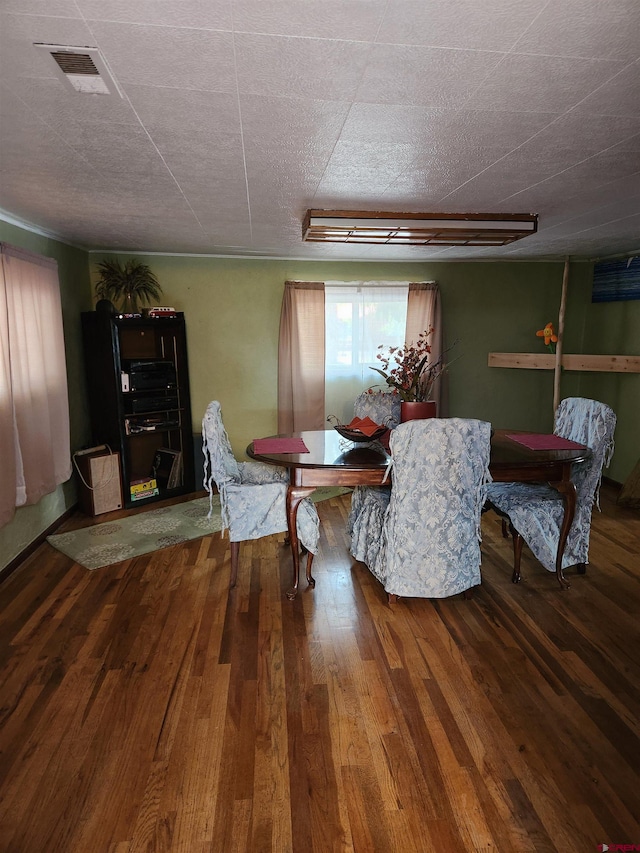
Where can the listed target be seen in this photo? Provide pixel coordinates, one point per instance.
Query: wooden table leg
(295, 494)
(568, 491)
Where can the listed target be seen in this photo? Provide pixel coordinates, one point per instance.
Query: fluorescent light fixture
(417, 229)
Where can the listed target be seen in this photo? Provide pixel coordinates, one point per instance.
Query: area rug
(113, 541)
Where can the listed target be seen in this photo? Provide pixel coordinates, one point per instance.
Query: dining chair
(533, 513)
(252, 494)
(422, 538)
(383, 407)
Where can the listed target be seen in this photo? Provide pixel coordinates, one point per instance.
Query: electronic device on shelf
(146, 375)
(137, 405)
(135, 425)
(162, 311)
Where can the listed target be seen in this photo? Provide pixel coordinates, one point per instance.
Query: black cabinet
(138, 390)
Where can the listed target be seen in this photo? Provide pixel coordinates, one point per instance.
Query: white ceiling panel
(584, 28)
(121, 148)
(618, 96)
(371, 167)
(194, 14)
(236, 116)
(541, 83)
(333, 19)
(307, 125)
(195, 154)
(185, 109)
(51, 8)
(464, 25)
(436, 78)
(299, 67)
(168, 56)
(57, 105)
(578, 133)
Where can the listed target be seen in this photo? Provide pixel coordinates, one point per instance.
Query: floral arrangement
(550, 337)
(408, 371)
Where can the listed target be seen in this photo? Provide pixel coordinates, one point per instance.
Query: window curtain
(301, 352)
(424, 311)
(34, 407)
(301, 357)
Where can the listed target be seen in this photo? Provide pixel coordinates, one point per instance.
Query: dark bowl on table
(356, 434)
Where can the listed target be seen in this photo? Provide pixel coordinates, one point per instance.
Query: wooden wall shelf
(547, 361)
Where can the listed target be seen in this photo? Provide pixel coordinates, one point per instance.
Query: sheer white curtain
(359, 317)
(303, 400)
(34, 408)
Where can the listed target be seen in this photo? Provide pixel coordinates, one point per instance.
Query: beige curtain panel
(34, 406)
(424, 311)
(301, 357)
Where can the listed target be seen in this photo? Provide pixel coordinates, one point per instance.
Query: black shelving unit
(139, 401)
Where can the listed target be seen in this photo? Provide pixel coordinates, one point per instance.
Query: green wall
(232, 309)
(73, 272)
(613, 328)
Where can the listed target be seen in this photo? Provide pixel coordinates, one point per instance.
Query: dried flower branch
(408, 370)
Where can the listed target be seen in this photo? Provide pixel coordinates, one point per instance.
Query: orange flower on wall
(550, 337)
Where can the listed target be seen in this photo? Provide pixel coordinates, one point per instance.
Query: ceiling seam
(352, 101)
(240, 119)
(140, 122)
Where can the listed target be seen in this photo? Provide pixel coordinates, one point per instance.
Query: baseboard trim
(613, 484)
(17, 561)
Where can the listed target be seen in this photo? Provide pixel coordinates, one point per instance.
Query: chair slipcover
(536, 511)
(252, 494)
(422, 538)
(382, 407)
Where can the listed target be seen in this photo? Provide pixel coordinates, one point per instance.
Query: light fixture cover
(417, 229)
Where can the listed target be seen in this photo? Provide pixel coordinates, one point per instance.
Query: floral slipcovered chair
(422, 539)
(535, 511)
(252, 494)
(383, 407)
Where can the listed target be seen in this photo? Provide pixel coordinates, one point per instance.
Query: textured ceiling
(238, 115)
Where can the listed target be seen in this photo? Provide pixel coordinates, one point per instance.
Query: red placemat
(542, 441)
(279, 445)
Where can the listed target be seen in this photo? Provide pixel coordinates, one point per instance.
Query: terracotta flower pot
(417, 411)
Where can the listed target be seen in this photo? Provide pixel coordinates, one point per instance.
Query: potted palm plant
(128, 286)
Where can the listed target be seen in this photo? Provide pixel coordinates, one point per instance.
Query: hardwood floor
(146, 708)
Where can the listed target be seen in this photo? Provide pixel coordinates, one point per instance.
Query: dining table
(317, 458)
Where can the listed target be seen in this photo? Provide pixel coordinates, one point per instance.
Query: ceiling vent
(83, 68)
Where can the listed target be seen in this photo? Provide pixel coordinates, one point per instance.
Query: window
(359, 318)
(362, 322)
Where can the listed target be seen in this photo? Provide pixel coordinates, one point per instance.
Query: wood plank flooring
(143, 707)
